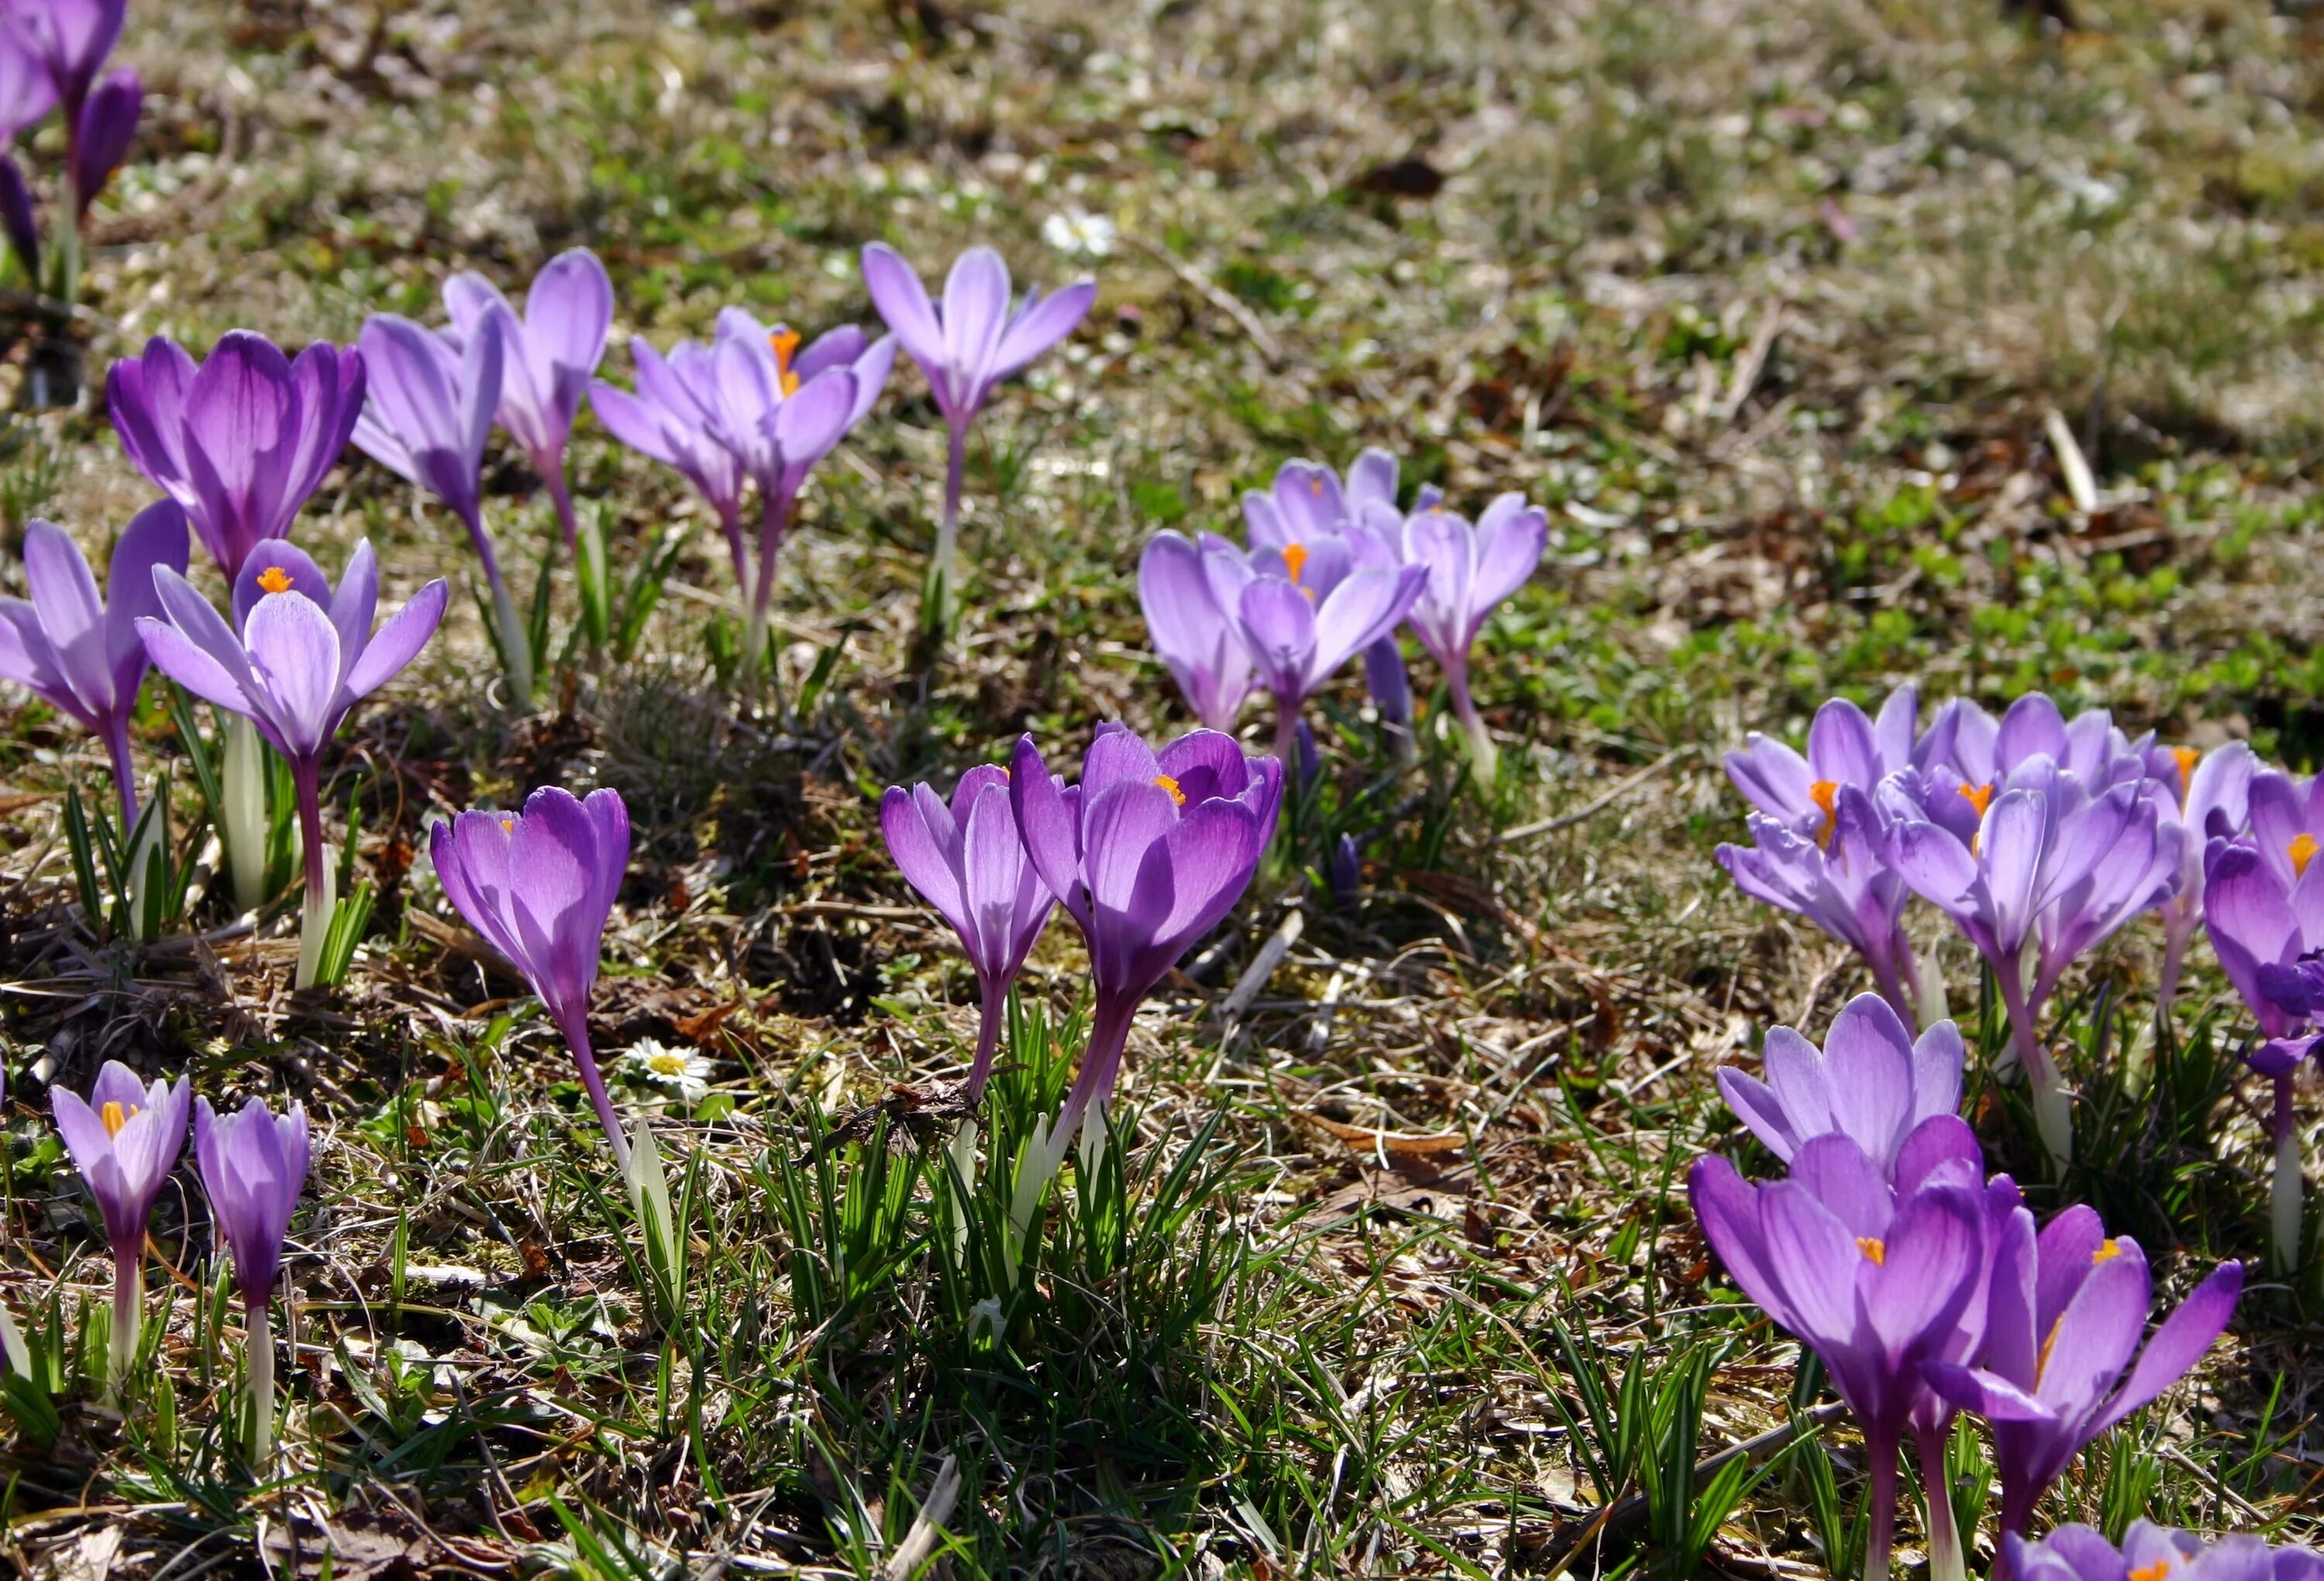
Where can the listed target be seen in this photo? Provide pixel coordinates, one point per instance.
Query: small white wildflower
(687, 1073)
(1078, 234)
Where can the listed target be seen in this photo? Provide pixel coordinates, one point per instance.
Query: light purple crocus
(1147, 854)
(967, 347)
(1471, 570)
(124, 1139)
(548, 356)
(673, 418)
(428, 413)
(967, 860)
(1870, 1082)
(1878, 1280)
(2066, 1313)
(253, 1166)
(2075, 1552)
(1308, 502)
(81, 652)
(1837, 876)
(296, 659)
(1845, 747)
(2039, 859)
(2264, 904)
(2208, 794)
(241, 439)
(1199, 641)
(1984, 750)
(539, 884)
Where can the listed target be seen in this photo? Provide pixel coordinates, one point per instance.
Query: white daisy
(685, 1074)
(1078, 234)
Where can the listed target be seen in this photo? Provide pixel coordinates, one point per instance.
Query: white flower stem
(258, 1372)
(516, 646)
(128, 1316)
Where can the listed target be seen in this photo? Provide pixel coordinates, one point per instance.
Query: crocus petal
(294, 651)
(1047, 323)
(903, 303)
(399, 641)
(2179, 1344)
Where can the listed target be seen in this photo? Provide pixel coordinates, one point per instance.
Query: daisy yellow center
(666, 1063)
(2108, 1251)
(275, 579)
(1825, 794)
(1170, 785)
(785, 342)
(2302, 852)
(2187, 757)
(1875, 1251)
(114, 1117)
(2153, 1572)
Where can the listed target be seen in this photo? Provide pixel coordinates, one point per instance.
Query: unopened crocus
(2065, 1317)
(1875, 1280)
(71, 40)
(2208, 794)
(548, 356)
(1837, 876)
(1870, 1082)
(108, 123)
(2075, 1552)
(295, 660)
(2265, 909)
(241, 439)
(1471, 570)
(673, 418)
(1147, 854)
(967, 859)
(253, 1166)
(781, 409)
(2035, 870)
(1197, 638)
(967, 346)
(539, 884)
(427, 415)
(124, 1139)
(80, 651)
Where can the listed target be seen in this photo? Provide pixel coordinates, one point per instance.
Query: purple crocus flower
(1877, 1280)
(1469, 571)
(674, 418)
(253, 1166)
(108, 123)
(2064, 1318)
(1984, 750)
(124, 1139)
(1309, 503)
(1198, 639)
(967, 347)
(2208, 794)
(539, 884)
(296, 659)
(2149, 1552)
(1845, 747)
(2287, 823)
(76, 651)
(1147, 854)
(240, 440)
(1870, 1082)
(2263, 903)
(71, 39)
(428, 413)
(27, 94)
(548, 356)
(967, 860)
(1837, 877)
(2039, 859)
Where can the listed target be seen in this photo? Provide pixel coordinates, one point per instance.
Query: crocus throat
(275, 579)
(1170, 785)
(2301, 850)
(785, 342)
(2153, 1572)
(1825, 794)
(114, 1117)
(2186, 758)
(1875, 1251)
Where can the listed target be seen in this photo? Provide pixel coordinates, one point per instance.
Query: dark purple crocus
(781, 409)
(2075, 1552)
(2039, 859)
(674, 418)
(71, 40)
(80, 653)
(295, 661)
(1147, 854)
(2208, 794)
(967, 347)
(1837, 876)
(124, 1139)
(1469, 571)
(1878, 1280)
(967, 860)
(539, 884)
(1870, 1082)
(253, 1166)
(26, 96)
(2264, 905)
(241, 439)
(427, 415)
(2065, 1316)
(1199, 641)
(547, 357)
(108, 124)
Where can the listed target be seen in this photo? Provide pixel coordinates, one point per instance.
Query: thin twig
(1620, 789)
(1224, 300)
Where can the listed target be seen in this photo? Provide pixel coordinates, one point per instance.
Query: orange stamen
(1316, 485)
(1825, 794)
(1979, 796)
(1170, 785)
(1875, 1250)
(114, 1118)
(2042, 1361)
(275, 579)
(2188, 758)
(2153, 1572)
(2108, 1251)
(508, 826)
(1295, 560)
(785, 342)
(2301, 850)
